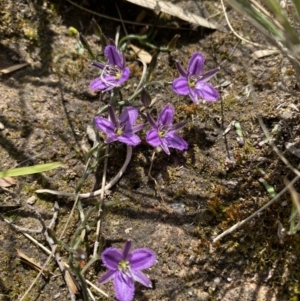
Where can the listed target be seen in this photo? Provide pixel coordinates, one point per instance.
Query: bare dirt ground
(45, 109)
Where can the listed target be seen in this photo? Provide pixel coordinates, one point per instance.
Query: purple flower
(121, 129)
(194, 82)
(125, 268)
(114, 73)
(163, 132)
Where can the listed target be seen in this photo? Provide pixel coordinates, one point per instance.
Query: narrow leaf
(28, 170)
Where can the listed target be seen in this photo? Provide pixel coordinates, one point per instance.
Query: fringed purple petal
(111, 138)
(125, 75)
(112, 115)
(137, 128)
(209, 74)
(166, 115)
(124, 287)
(151, 121)
(97, 84)
(127, 248)
(173, 140)
(113, 56)
(152, 138)
(104, 125)
(178, 126)
(164, 146)
(128, 115)
(180, 69)
(196, 64)
(141, 259)
(194, 95)
(107, 276)
(141, 278)
(207, 91)
(111, 258)
(110, 81)
(180, 86)
(98, 65)
(129, 139)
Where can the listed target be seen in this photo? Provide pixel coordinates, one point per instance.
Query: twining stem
(96, 245)
(82, 271)
(99, 191)
(78, 196)
(150, 168)
(150, 176)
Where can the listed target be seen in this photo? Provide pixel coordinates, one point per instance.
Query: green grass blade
(28, 170)
(258, 19)
(297, 6)
(290, 34)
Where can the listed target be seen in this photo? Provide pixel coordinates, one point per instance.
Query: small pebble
(1, 126)
(178, 207)
(31, 200)
(286, 115)
(217, 281)
(128, 230)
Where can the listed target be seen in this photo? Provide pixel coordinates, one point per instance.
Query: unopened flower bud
(97, 29)
(86, 45)
(173, 42)
(152, 66)
(73, 32)
(145, 98)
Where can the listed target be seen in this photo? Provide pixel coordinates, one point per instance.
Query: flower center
(113, 70)
(124, 266)
(192, 80)
(161, 133)
(120, 129)
(119, 132)
(118, 75)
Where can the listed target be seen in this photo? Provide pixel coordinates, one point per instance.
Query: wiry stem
(99, 191)
(96, 245)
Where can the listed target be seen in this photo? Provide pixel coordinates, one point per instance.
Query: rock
(287, 115)
(31, 200)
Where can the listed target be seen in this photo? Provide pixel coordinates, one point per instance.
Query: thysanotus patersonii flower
(193, 82)
(114, 73)
(163, 132)
(122, 129)
(125, 268)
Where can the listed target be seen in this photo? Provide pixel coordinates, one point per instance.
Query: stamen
(120, 129)
(193, 79)
(163, 130)
(111, 70)
(196, 77)
(124, 266)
